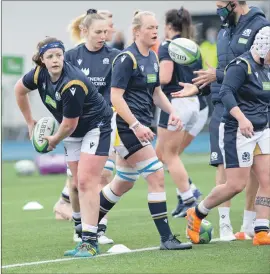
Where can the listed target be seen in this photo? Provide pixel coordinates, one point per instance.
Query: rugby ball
(206, 232)
(46, 126)
(25, 167)
(184, 51)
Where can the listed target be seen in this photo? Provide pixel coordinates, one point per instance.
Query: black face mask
(226, 15)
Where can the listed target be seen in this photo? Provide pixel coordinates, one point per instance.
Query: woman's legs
(168, 148)
(236, 181)
(262, 202)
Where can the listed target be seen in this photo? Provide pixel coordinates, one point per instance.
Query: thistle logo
(247, 32)
(106, 61)
(85, 71)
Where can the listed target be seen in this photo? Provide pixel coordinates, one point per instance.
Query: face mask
(211, 39)
(226, 15)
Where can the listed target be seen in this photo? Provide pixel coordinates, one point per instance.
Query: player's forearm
(122, 108)
(220, 75)
(24, 105)
(162, 101)
(64, 131)
(237, 113)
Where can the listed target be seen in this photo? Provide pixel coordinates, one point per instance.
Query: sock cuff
(76, 215)
(65, 191)
(203, 209)
(109, 195)
(261, 222)
(89, 228)
(103, 221)
(156, 197)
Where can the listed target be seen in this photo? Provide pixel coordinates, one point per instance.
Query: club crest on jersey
(79, 61)
(142, 67)
(85, 71)
(156, 67)
(257, 74)
(247, 32)
(44, 85)
(106, 61)
(57, 96)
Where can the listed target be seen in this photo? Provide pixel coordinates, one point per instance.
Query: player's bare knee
(88, 182)
(236, 186)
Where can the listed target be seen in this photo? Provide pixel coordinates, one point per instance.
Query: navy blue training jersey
(138, 75)
(246, 85)
(72, 96)
(181, 73)
(233, 41)
(96, 65)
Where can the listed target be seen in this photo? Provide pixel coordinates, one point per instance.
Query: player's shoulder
(126, 56)
(72, 72)
(243, 61)
(75, 77)
(75, 50)
(111, 50)
(164, 47)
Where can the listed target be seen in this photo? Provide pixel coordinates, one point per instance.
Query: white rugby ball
(46, 126)
(184, 51)
(25, 167)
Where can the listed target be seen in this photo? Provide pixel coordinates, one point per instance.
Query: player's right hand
(188, 90)
(31, 128)
(246, 127)
(143, 133)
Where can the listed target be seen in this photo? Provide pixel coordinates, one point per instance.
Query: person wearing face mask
(208, 49)
(244, 128)
(94, 58)
(240, 25)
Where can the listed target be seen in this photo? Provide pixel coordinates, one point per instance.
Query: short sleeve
(122, 71)
(73, 99)
(163, 53)
(30, 79)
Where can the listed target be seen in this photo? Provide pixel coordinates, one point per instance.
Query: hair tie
(91, 11)
(180, 12)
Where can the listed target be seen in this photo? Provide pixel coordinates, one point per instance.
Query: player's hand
(205, 77)
(143, 133)
(187, 91)
(52, 142)
(31, 128)
(246, 127)
(175, 121)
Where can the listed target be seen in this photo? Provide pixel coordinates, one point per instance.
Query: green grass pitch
(35, 236)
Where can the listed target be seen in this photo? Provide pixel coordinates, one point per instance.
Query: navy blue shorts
(129, 143)
(216, 158)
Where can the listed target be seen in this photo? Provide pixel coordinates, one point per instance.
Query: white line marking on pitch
(73, 258)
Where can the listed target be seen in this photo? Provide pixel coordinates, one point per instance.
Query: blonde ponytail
(83, 21)
(74, 28)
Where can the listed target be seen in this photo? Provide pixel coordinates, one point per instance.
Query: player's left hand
(175, 121)
(205, 77)
(187, 91)
(52, 142)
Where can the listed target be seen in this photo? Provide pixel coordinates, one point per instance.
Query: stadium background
(26, 23)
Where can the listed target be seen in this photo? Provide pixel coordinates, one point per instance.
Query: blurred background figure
(209, 48)
(119, 41)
